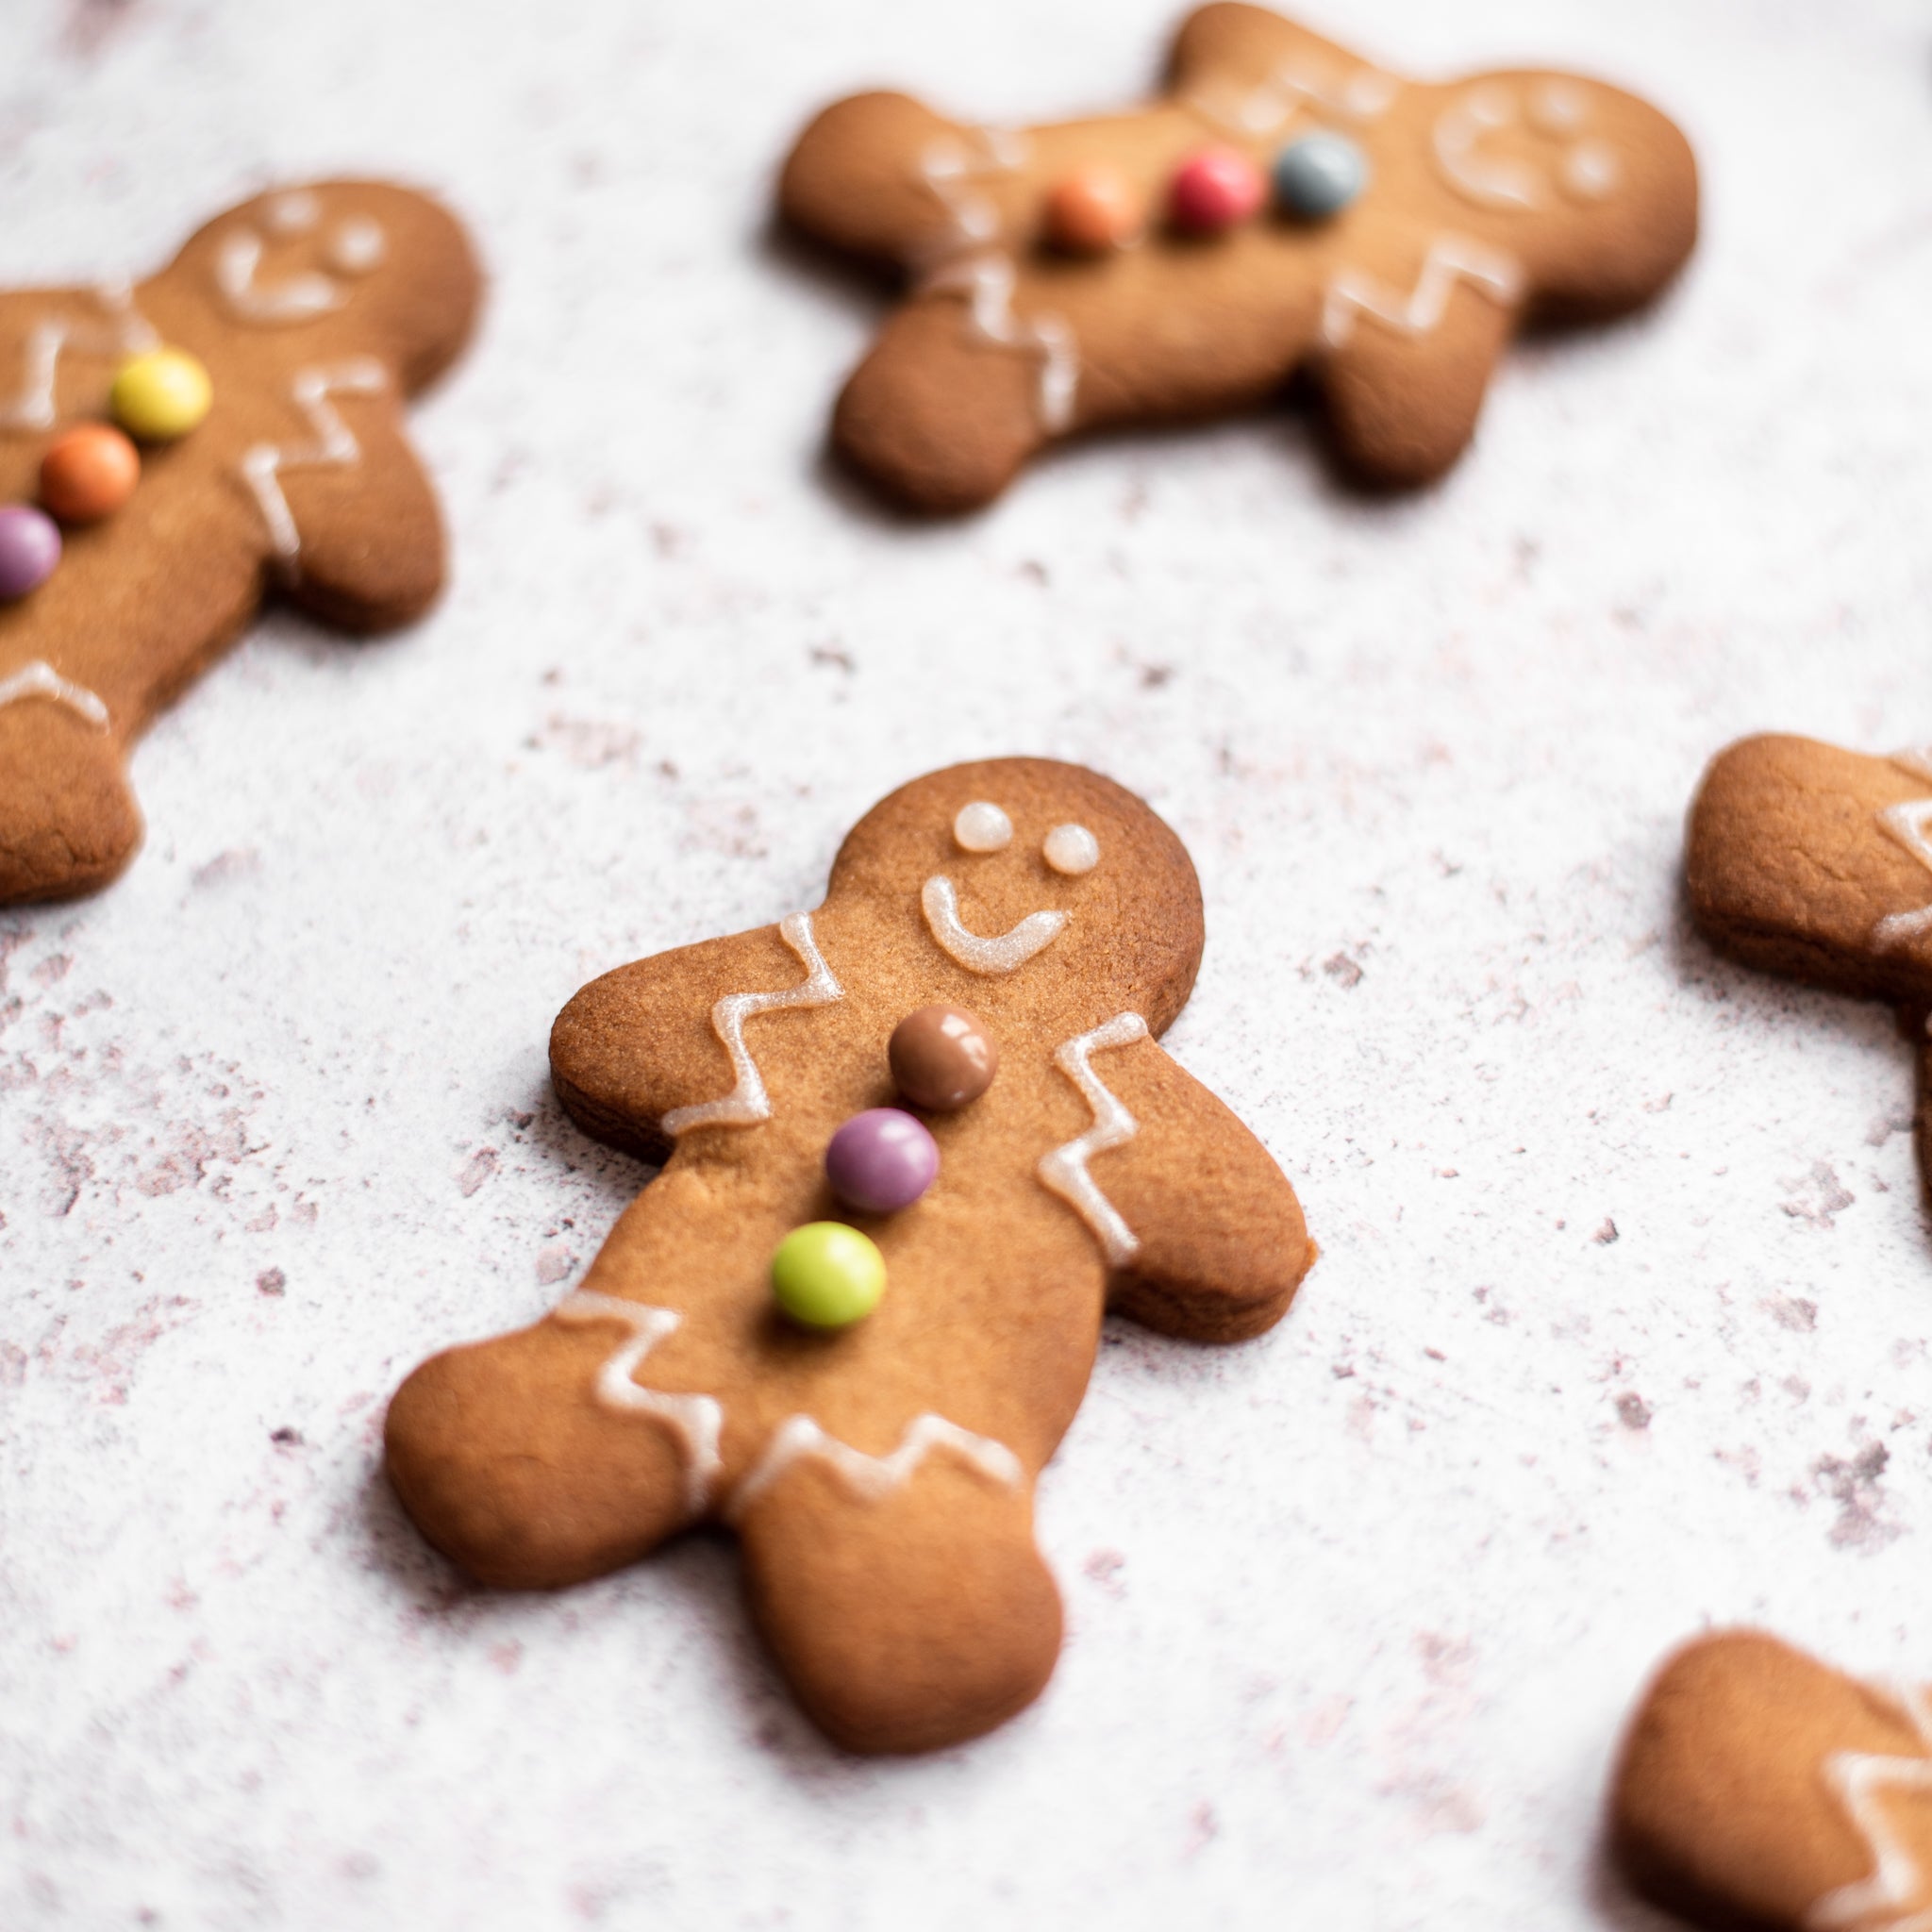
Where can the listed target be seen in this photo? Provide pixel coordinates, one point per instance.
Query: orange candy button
(1092, 210)
(89, 474)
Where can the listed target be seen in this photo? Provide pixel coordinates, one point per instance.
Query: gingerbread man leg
(944, 410)
(68, 822)
(908, 1618)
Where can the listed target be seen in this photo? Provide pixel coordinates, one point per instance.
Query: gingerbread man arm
(1202, 1232)
(648, 1039)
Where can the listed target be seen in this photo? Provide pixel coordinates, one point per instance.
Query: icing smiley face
(982, 827)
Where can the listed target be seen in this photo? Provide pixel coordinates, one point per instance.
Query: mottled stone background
(1624, 1317)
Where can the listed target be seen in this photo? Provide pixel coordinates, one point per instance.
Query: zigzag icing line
(38, 679)
(126, 332)
(1452, 259)
(988, 281)
(1910, 825)
(1064, 1170)
(872, 1477)
(1270, 108)
(696, 1420)
(748, 1103)
(335, 445)
(1880, 1900)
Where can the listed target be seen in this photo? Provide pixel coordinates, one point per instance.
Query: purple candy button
(29, 549)
(881, 1161)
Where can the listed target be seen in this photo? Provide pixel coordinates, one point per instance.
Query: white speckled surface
(1624, 1319)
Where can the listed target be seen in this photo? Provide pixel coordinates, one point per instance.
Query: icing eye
(357, 246)
(982, 827)
(1557, 107)
(293, 215)
(1590, 169)
(1072, 849)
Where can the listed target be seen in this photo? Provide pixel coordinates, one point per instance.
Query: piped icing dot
(294, 213)
(982, 826)
(827, 1276)
(29, 550)
(1072, 849)
(357, 247)
(160, 395)
(1215, 188)
(881, 1161)
(1320, 174)
(89, 474)
(943, 1059)
(1092, 210)
(1590, 170)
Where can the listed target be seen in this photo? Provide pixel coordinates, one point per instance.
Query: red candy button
(1214, 189)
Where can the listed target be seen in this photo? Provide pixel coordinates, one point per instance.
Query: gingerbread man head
(1284, 203)
(879, 1476)
(261, 375)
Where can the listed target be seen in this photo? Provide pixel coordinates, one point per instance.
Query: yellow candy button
(160, 395)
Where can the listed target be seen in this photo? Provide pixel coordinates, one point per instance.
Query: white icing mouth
(1001, 954)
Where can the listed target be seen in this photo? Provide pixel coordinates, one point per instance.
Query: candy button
(881, 1161)
(89, 474)
(943, 1057)
(827, 1276)
(29, 549)
(160, 395)
(1214, 189)
(1093, 211)
(1317, 177)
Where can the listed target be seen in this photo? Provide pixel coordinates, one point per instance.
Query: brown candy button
(943, 1057)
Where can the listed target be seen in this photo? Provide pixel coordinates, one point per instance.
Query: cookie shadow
(1612, 1900)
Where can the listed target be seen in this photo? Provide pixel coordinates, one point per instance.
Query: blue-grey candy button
(1317, 177)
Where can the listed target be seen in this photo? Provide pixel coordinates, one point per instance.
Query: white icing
(872, 1477)
(1910, 825)
(357, 246)
(969, 261)
(38, 679)
(1004, 953)
(1880, 1901)
(294, 213)
(982, 826)
(335, 446)
(1064, 1170)
(1452, 259)
(986, 281)
(1588, 169)
(1072, 849)
(1269, 109)
(124, 332)
(747, 1103)
(696, 1420)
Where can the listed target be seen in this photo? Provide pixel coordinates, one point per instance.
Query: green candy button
(827, 1276)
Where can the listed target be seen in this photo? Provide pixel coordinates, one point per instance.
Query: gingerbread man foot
(1816, 863)
(920, 1141)
(1759, 1789)
(1283, 205)
(171, 452)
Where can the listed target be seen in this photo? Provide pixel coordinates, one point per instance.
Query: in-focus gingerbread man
(1285, 205)
(1758, 1788)
(263, 374)
(879, 1474)
(1816, 863)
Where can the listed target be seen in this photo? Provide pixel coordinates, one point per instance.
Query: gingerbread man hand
(1283, 205)
(880, 1474)
(272, 360)
(1758, 1787)
(1816, 863)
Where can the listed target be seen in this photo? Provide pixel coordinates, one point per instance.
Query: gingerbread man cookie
(1816, 863)
(1001, 946)
(1758, 1788)
(1284, 205)
(171, 452)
